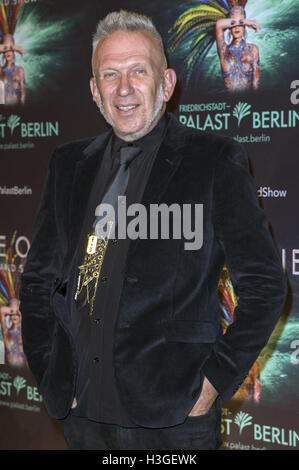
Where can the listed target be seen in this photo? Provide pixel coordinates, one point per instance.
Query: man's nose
(125, 86)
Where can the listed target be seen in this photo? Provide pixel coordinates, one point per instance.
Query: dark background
(62, 94)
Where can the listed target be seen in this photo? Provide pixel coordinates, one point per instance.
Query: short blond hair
(128, 21)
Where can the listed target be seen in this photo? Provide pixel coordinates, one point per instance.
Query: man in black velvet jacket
(148, 368)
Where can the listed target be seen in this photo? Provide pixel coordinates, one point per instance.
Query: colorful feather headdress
(194, 31)
(8, 16)
(10, 279)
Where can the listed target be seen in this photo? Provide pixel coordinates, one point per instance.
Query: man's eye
(140, 71)
(109, 75)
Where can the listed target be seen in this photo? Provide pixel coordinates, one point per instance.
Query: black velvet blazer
(168, 334)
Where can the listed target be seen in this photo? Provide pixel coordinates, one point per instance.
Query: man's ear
(94, 90)
(169, 83)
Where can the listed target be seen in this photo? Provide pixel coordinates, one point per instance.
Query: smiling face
(131, 84)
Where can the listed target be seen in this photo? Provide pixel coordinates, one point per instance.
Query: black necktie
(119, 184)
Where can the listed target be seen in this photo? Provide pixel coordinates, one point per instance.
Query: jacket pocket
(190, 331)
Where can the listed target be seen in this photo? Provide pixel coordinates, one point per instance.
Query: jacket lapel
(168, 159)
(165, 165)
(84, 175)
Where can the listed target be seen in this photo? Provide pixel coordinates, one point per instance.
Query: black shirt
(96, 392)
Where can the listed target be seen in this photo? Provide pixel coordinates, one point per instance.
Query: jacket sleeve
(255, 270)
(38, 280)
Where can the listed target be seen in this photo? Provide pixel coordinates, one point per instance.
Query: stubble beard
(148, 125)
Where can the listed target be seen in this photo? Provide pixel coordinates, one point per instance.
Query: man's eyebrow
(132, 65)
(106, 68)
(139, 64)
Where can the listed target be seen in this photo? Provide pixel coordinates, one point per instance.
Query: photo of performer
(11, 349)
(224, 22)
(12, 75)
(10, 318)
(239, 60)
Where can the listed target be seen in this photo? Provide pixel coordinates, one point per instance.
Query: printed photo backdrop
(250, 93)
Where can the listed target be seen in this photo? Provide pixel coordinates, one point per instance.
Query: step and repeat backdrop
(45, 51)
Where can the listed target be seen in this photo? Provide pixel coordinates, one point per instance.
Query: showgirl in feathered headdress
(12, 80)
(205, 21)
(10, 316)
